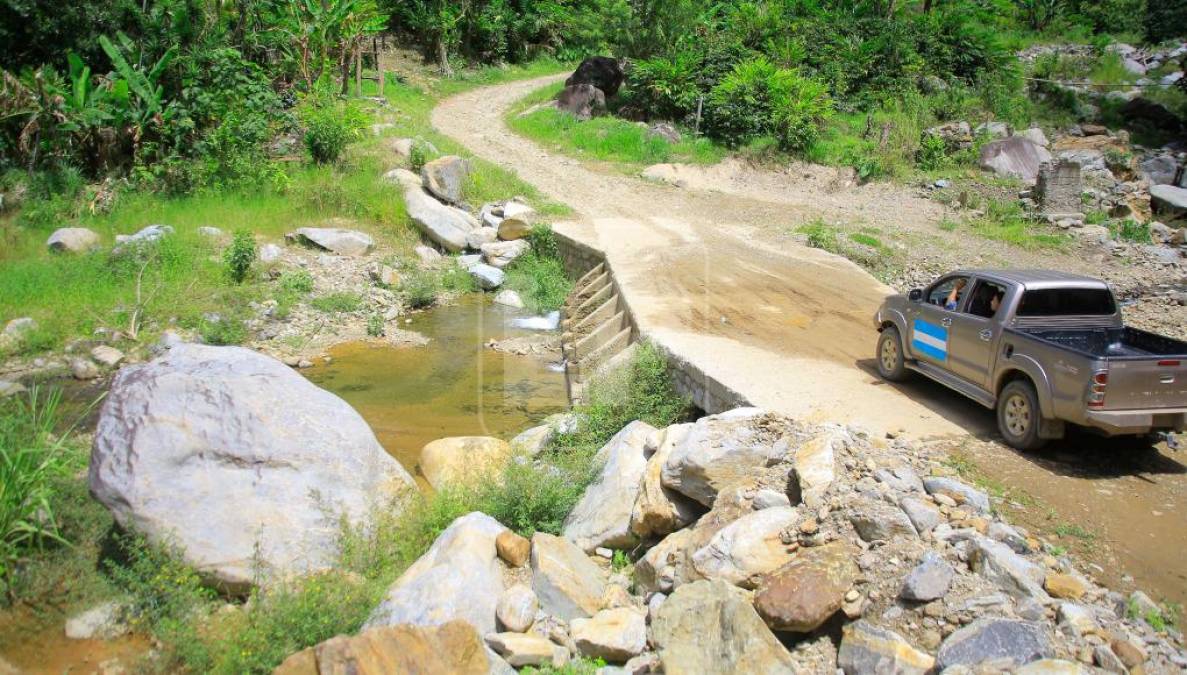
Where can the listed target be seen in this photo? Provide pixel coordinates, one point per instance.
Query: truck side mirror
(916, 295)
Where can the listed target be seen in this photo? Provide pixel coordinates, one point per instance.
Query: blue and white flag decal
(930, 340)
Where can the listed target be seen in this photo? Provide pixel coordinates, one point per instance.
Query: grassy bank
(605, 139)
(200, 632)
(71, 296)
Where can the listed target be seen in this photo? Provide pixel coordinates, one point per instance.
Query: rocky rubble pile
(760, 544)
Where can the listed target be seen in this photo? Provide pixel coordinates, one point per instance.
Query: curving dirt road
(715, 277)
(712, 272)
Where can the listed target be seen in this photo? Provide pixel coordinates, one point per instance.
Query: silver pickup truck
(1043, 348)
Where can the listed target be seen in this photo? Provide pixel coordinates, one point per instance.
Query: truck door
(931, 320)
(972, 337)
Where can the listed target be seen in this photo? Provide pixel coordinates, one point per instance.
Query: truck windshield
(1067, 302)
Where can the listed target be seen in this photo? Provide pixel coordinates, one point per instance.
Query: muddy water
(454, 386)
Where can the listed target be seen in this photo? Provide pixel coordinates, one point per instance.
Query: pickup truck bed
(1114, 343)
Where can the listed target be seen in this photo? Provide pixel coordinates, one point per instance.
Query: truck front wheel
(1018, 416)
(890, 355)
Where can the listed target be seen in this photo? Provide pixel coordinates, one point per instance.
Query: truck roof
(1034, 279)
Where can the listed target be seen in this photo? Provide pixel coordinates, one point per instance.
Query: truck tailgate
(1152, 382)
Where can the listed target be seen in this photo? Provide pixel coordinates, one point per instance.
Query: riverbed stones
(516, 609)
(602, 517)
(814, 466)
(866, 648)
(72, 240)
(488, 278)
(1011, 572)
(445, 177)
(83, 369)
(567, 583)
(710, 628)
(334, 239)
(107, 355)
(614, 635)
(526, 649)
(483, 235)
(452, 647)
(804, 593)
(463, 459)
(876, 520)
(658, 510)
(930, 579)
(236, 459)
(724, 449)
(747, 548)
(457, 578)
(512, 548)
(994, 639)
(502, 253)
(962, 493)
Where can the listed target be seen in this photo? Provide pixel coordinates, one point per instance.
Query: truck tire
(1018, 416)
(890, 355)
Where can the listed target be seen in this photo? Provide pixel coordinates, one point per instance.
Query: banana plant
(135, 89)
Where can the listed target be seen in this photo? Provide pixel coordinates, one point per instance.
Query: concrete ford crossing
(1043, 348)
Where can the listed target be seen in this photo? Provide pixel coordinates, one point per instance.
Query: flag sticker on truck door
(930, 340)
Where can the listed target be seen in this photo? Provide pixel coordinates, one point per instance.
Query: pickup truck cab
(1043, 348)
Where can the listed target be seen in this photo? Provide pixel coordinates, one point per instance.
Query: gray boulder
(459, 577)
(582, 101)
(516, 609)
(747, 548)
(993, 639)
(879, 521)
(144, 237)
(665, 131)
(1169, 201)
(710, 628)
(929, 580)
(502, 253)
(334, 239)
(921, 513)
(445, 178)
(1015, 156)
(483, 235)
(488, 278)
(720, 450)
(866, 648)
(963, 494)
(1159, 169)
(443, 224)
(1012, 573)
(72, 240)
(602, 517)
(568, 584)
(237, 460)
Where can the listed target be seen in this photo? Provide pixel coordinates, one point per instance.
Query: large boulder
(487, 277)
(710, 628)
(659, 511)
(502, 253)
(747, 548)
(995, 639)
(461, 459)
(1160, 169)
(929, 580)
(443, 224)
(602, 517)
(669, 563)
(582, 101)
(603, 72)
(445, 177)
(614, 635)
(721, 450)
(804, 593)
(459, 577)
(335, 239)
(452, 647)
(866, 648)
(1015, 156)
(875, 520)
(237, 460)
(815, 462)
(568, 584)
(1169, 201)
(72, 240)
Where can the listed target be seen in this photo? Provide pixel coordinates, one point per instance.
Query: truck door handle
(945, 322)
(986, 335)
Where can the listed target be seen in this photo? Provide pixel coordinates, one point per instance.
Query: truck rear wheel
(890, 355)
(1018, 416)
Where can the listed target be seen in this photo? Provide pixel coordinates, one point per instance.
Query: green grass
(1074, 531)
(539, 276)
(862, 247)
(1131, 230)
(337, 303)
(1004, 220)
(606, 138)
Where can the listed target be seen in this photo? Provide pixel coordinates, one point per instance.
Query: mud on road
(713, 272)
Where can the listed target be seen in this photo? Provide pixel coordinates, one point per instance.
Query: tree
(1038, 14)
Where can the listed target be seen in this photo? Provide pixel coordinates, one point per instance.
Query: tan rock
(514, 228)
(1131, 655)
(453, 647)
(463, 459)
(659, 511)
(747, 548)
(513, 549)
(805, 592)
(815, 465)
(1065, 586)
(675, 550)
(567, 583)
(612, 634)
(525, 649)
(866, 648)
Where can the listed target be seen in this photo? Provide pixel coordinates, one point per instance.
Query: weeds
(240, 255)
(1004, 220)
(1131, 230)
(539, 276)
(1073, 530)
(375, 325)
(340, 302)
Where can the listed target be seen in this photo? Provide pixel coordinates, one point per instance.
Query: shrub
(821, 235)
(30, 463)
(337, 303)
(1131, 230)
(933, 152)
(418, 156)
(420, 288)
(375, 325)
(217, 329)
(758, 99)
(240, 255)
(539, 276)
(328, 130)
(297, 281)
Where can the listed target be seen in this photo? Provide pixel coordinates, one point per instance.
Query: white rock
(509, 298)
(270, 253)
(336, 239)
(612, 634)
(517, 608)
(720, 450)
(815, 464)
(502, 253)
(72, 240)
(567, 583)
(602, 517)
(107, 621)
(480, 236)
(107, 355)
(521, 650)
(747, 548)
(427, 254)
(658, 510)
(83, 369)
(488, 278)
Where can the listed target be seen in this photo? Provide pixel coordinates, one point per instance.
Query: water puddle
(454, 386)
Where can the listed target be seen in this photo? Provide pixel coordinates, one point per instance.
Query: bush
(328, 130)
(337, 303)
(420, 288)
(539, 276)
(418, 156)
(240, 255)
(217, 329)
(375, 325)
(759, 99)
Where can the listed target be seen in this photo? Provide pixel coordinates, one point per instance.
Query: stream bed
(453, 386)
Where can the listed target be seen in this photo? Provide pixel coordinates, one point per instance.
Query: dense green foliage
(239, 256)
(539, 276)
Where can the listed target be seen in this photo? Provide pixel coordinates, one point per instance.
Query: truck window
(1067, 302)
(948, 293)
(986, 298)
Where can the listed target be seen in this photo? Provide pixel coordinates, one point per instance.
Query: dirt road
(712, 272)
